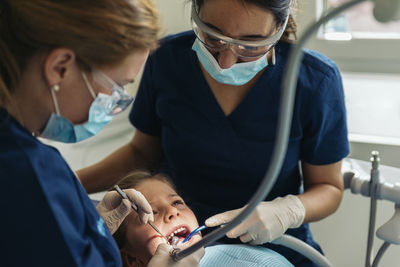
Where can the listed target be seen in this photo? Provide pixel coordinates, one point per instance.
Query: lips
(180, 231)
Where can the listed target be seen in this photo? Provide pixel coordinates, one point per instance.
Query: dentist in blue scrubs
(63, 68)
(206, 113)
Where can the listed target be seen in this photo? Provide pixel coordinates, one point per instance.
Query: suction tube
(282, 134)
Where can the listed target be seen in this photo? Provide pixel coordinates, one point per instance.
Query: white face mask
(238, 74)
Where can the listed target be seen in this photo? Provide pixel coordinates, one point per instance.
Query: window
(358, 23)
(354, 39)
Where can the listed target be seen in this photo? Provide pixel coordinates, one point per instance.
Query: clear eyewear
(217, 42)
(119, 99)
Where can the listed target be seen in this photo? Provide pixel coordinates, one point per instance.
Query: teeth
(176, 232)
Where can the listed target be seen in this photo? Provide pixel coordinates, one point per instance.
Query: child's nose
(171, 213)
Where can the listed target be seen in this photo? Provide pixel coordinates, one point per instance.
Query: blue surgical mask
(238, 74)
(60, 129)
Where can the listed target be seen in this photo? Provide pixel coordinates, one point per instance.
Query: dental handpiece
(135, 208)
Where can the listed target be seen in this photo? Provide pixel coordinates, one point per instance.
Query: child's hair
(132, 180)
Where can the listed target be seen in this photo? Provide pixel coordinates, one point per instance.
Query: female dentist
(206, 113)
(63, 67)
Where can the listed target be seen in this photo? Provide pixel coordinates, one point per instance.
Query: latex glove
(162, 258)
(268, 221)
(113, 209)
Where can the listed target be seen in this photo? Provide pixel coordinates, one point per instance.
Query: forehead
(236, 17)
(154, 189)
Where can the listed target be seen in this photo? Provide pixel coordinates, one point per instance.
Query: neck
(29, 110)
(12, 108)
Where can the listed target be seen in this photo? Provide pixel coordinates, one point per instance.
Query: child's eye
(178, 202)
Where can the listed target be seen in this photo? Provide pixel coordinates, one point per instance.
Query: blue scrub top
(47, 217)
(218, 161)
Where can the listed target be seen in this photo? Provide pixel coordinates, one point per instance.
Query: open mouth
(180, 231)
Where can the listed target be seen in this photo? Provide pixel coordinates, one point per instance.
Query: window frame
(355, 55)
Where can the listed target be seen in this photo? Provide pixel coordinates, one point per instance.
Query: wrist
(295, 211)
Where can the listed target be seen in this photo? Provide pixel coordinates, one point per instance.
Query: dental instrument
(195, 231)
(285, 117)
(174, 241)
(135, 208)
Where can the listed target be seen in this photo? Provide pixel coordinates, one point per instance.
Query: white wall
(342, 235)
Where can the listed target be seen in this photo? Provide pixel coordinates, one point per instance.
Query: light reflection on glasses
(120, 100)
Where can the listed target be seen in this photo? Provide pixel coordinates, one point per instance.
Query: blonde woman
(63, 68)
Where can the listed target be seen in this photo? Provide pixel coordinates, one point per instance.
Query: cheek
(142, 241)
(74, 99)
(190, 218)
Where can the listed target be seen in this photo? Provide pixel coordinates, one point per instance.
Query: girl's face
(171, 217)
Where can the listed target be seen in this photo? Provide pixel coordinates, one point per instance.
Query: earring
(55, 88)
(273, 56)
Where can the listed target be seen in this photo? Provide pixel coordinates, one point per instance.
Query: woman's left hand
(113, 209)
(268, 221)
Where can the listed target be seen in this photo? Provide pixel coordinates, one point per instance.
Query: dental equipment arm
(282, 135)
(372, 218)
(303, 248)
(377, 189)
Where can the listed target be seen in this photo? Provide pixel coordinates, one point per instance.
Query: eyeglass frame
(270, 41)
(105, 81)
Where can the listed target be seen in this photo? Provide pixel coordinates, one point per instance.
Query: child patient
(138, 242)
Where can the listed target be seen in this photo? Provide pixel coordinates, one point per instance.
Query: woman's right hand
(113, 209)
(162, 258)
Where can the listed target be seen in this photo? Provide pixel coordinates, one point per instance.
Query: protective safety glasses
(217, 42)
(119, 99)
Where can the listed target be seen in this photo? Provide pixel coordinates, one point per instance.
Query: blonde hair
(100, 32)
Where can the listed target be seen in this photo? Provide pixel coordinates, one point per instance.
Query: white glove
(113, 209)
(268, 221)
(162, 258)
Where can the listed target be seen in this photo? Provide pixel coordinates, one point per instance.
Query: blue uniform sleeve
(324, 125)
(45, 223)
(143, 114)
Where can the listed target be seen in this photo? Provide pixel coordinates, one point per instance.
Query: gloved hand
(113, 209)
(162, 258)
(268, 221)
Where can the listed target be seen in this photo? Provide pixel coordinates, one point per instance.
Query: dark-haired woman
(206, 113)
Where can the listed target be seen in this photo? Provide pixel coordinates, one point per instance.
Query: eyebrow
(169, 196)
(255, 36)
